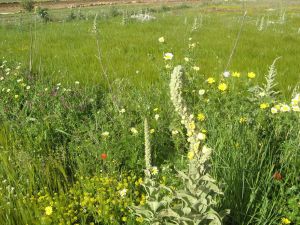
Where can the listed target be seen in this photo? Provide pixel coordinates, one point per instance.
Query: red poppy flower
(277, 176)
(103, 156)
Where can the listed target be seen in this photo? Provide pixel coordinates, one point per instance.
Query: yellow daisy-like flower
(154, 170)
(251, 75)
(236, 74)
(264, 105)
(201, 117)
(192, 126)
(139, 219)
(48, 210)
(152, 131)
(243, 120)
(285, 221)
(211, 80)
(190, 155)
(222, 87)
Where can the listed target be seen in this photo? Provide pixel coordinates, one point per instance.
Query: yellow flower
(222, 87)
(139, 219)
(211, 80)
(243, 120)
(251, 75)
(154, 170)
(285, 108)
(152, 131)
(190, 155)
(236, 74)
(124, 218)
(201, 117)
(285, 221)
(48, 210)
(192, 126)
(264, 105)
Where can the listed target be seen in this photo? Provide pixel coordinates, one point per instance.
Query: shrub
(28, 5)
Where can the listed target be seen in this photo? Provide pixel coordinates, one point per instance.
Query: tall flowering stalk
(147, 147)
(194, 137)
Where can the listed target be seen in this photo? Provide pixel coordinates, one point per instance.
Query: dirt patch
(15, 7)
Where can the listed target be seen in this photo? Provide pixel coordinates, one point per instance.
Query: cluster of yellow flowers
(106, 198)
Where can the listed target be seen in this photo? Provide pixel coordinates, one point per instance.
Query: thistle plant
(267, 89)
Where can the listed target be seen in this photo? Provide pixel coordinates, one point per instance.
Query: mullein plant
(194, 203)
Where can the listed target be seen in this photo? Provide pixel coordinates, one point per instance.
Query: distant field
(67, 49)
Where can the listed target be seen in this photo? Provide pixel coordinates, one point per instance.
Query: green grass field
(76, 91)
(67, 50)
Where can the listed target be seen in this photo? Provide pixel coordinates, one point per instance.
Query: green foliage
(28, 5)
(44, 14)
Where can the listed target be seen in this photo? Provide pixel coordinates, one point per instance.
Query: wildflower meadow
(154, 113)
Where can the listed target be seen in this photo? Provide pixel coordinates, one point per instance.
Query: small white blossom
(274, 110)
(226, 74)
(201, 92)
(174, 132)
(168, 56)
(156, 116)
(105, 134)
(201, 136)
(161, 39)
(123, 192)
(134, 130)
(196, 68)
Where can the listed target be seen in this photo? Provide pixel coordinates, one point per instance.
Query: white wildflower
(201, 136)
(201, 92)
(161, 39)
(226, 74)
(285, 108)
(196, 68)
(123, 192)
(168, 56)
(274, 110)
(134, 130)
(105, 134)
